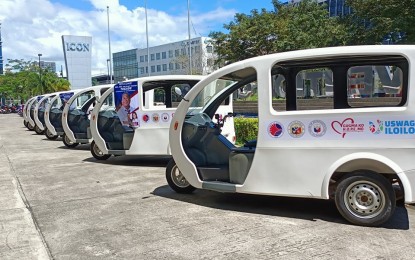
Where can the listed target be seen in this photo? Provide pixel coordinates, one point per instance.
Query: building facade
(47, 65)
(77, 52)
(167, 59)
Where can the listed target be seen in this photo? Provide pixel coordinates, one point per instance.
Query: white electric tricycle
(30, 113)
(53, 114)
(133, 117)
(26, 111)
(76, 115)
(333, 123)
(39, 112)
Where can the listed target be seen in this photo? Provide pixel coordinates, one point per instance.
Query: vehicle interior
(78, 118)
(215, 157)
(218, 160)
(157, 95)
(55, 115)
(32, 108)
(42, 108)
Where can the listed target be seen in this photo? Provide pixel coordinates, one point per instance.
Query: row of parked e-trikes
(357, 152)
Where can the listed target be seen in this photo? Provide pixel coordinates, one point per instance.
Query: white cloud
(30, 27)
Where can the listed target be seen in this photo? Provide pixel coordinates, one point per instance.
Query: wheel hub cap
(178, 178)
(364, 199)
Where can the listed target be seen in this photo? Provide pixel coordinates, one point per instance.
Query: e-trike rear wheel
(49, 135)
(68, 143)
(176, 180)
(365, 198)
(97, 153)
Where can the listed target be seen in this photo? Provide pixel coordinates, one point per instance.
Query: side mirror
(178, 91)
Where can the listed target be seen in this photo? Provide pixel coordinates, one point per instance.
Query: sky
(30, 27)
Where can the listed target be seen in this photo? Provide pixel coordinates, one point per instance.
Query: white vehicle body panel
(302, 167)
(66, 110)
(150, 138)
(25, 109)
(30, 119)
(45, 99)
(48, 123)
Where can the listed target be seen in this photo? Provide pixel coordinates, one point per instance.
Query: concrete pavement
(59, 203)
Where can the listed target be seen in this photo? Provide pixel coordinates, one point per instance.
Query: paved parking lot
(59, 203)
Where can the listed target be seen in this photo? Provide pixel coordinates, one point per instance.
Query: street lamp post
(109, 44)
(108, 72)
(40, 75)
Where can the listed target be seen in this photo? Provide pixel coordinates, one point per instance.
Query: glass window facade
(164, 59)
(125, 65)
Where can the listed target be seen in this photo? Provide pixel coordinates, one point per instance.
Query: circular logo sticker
(376, 129)
(296, 129)
(275, 129)
(165, 117)
(317, 128)
(146, 118)
(155, 117)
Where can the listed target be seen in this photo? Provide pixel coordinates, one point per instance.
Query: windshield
(209, 94)
(83, 98)
(108, 103)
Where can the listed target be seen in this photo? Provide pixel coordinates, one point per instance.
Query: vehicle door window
(314, 88)
(374, 86)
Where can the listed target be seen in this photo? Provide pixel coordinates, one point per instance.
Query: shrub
(245, 129)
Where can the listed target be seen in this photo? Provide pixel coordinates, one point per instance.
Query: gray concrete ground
(59, 203)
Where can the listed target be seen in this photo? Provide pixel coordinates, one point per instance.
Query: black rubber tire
(38, 130)
(176, 180)
(49, 135)
(68, 142)
(25, 123)
(97, 153)
(30, 127)
(365, 198)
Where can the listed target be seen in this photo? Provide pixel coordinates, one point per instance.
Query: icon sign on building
(77, 52)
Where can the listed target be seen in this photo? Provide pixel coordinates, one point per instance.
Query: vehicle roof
(404, 50)
(167, 77)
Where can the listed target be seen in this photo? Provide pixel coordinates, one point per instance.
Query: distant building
(49, 65)
(77, 51)
(101, 79)
(334, 7)
(170, 58)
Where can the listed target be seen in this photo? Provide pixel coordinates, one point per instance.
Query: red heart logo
(338, 127)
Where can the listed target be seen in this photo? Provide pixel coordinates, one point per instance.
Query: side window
(108, 102)
(184, 88)
(374, 86)
(56, 103)
(102, 91)
(314, 89)
(84, 97)
(159, 96)
(278, 92)
(247, 92)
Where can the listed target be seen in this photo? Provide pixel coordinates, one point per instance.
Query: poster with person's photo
(64, 99)
(127, 103)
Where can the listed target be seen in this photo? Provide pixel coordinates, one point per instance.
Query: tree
(22, 80)
(308, 25)
(288, 27)
(384, 18)
(249, 36)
